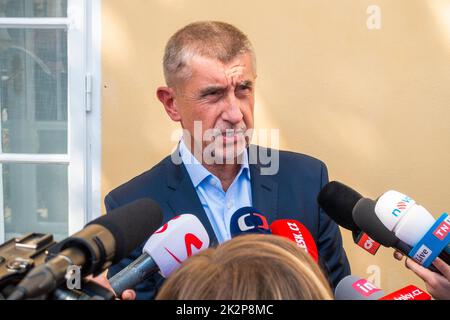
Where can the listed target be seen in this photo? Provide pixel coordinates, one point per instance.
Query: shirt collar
(198, 172)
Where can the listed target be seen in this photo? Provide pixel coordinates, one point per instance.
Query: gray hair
(211, 39)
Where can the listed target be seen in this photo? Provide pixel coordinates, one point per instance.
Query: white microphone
(165, 251)
(403, 216)
(414, 225)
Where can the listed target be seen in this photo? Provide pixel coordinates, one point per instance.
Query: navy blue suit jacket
(289, 194)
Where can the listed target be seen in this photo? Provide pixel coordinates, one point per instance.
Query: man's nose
(232, 112)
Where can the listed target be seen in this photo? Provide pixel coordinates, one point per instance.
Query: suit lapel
(264, 191)
(184, 198)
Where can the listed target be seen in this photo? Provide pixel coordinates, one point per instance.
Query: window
(49, 111)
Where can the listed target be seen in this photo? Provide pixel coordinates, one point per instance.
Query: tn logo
(73, 277)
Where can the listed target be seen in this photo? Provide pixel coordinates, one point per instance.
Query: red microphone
(408, 293)
(297, 232)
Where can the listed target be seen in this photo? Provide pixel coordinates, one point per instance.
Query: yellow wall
(373, 104)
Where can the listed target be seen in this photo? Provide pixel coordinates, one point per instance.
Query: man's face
(221, 96)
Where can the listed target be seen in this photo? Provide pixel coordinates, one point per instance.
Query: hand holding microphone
(393, 220)
(102, 280)
(413, 224)
(437, 285)
(428, 238)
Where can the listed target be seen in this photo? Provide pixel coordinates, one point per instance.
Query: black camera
(19, 255)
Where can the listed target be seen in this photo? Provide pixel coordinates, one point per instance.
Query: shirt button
(213, 182)
(229, 204)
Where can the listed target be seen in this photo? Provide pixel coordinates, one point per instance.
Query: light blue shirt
(219, 206)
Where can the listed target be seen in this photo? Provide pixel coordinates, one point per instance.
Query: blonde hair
(249, 267)
(211, 39)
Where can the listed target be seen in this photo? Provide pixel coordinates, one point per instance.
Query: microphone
(248, 220)
(363, 214)
(338, 201)
(355, 288)
(102, 242)
(408, 293)
(400, 214)
(165, 251)
(364, 217)
(298, 233)
(414, 225)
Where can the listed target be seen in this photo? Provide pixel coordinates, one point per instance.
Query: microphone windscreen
(366, 219)
(248, 220)
(131, 225)
(391, 206)
(403, 216)
(176, 241)
(298, 233)
(338, 200)
(355, 288)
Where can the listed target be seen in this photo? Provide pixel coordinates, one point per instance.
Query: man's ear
(167, 97)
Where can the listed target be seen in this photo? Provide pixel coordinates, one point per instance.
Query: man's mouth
(230, 136)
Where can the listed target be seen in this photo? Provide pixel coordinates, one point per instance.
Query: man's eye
(212, 94)
(244, 89)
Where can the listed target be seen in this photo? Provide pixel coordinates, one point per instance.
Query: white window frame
(83, 25)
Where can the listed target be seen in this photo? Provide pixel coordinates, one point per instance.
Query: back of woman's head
(249, 267)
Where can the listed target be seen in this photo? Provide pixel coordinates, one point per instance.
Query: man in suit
(210, 72)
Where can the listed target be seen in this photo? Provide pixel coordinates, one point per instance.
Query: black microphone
(365, 217)
(102, 242)
(338, 201)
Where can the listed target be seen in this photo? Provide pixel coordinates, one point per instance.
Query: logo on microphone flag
(176, 241)
(432, 243)
(365, 288)
(297, 232)
(189, 240)
(368, 244)
(261, 222)
(443, 229)
(401, 206)
(408, 293)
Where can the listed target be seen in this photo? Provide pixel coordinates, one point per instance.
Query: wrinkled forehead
(212, 70)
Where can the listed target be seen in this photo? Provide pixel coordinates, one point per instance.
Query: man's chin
(231, 154)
